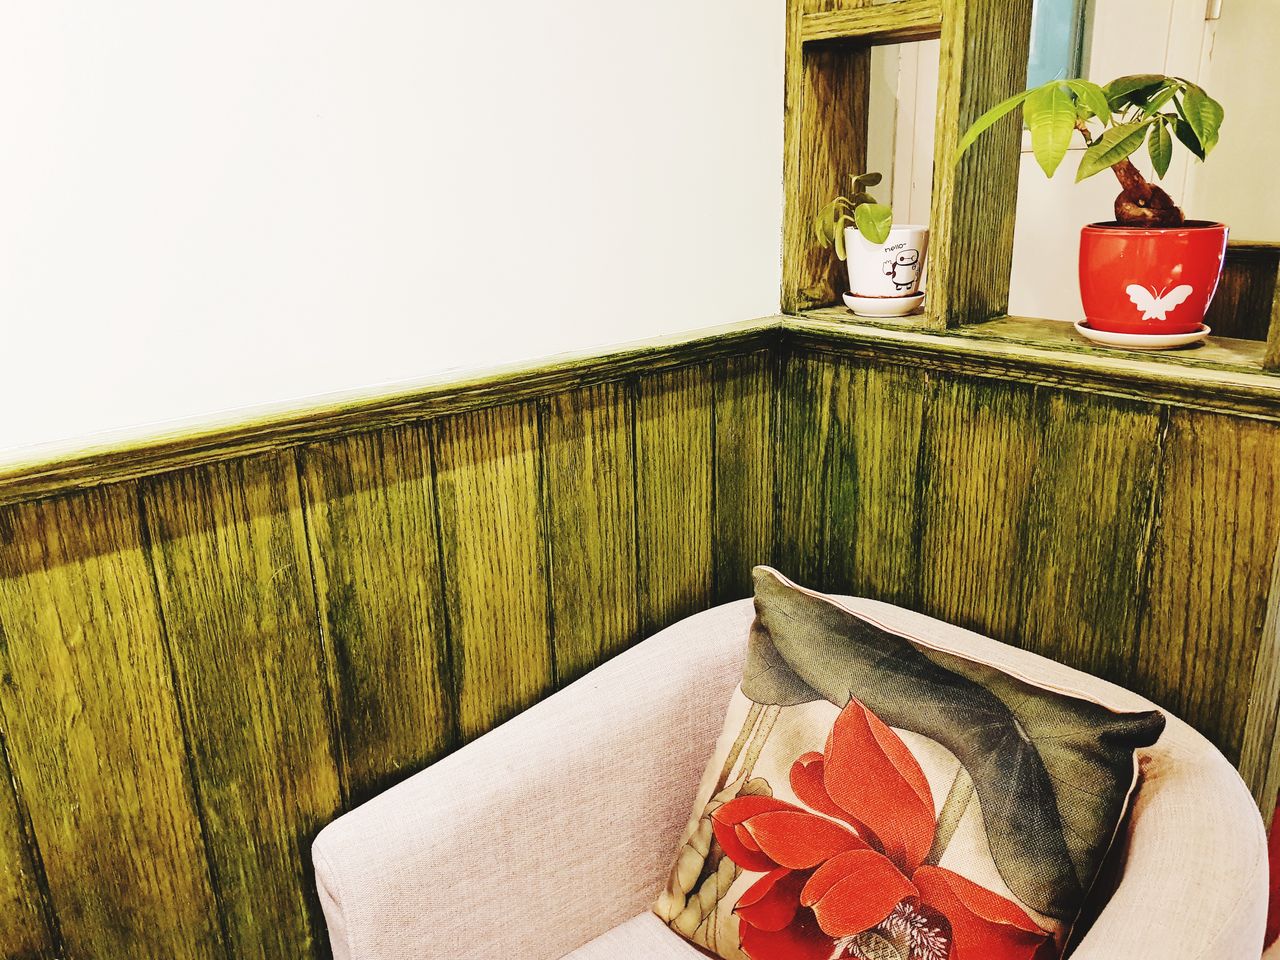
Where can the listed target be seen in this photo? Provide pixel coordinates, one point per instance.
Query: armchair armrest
(1193, 862)
(549, 830)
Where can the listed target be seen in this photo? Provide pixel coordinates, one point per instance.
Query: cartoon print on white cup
(903, 269)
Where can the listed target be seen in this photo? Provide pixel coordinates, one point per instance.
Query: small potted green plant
(1150, 271)
(885, 260)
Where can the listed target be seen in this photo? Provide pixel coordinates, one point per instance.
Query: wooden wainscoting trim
(447, 394)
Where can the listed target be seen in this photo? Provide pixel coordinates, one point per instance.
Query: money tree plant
(1116, 120)
(873, 219)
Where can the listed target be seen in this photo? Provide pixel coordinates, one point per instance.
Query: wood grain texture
(371, 513)
(850, 494)
(94, 735)
(27, 924)
(978, 465)
(824, 140)
(744, 399)
(591, 512)
(805, 410)
(897, 22)
(983, 60)
(1038, 509)
(1089, 516)
(1260, 749)
(1035, 336)
(1246, 294)
(1271, 359)
(674, 499)
(234, 579)
(1212, 560)
(1007, 358)
(489, 476)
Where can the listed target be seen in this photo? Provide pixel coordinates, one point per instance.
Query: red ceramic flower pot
(1150, 279)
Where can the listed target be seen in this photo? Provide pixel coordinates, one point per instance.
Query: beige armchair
(550, 836)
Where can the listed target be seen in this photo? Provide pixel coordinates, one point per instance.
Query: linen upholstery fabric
(644, 937)
(557, 827)
(547, 831)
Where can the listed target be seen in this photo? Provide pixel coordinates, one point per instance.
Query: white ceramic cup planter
(892, 269)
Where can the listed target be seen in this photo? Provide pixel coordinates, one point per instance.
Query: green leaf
(829, 222)
(1051, 117)
(1132, 89)
(841, 251)
(874, 221)
(1051, 771)
(1093, 97)
(863, 198)
(1162, 96)
(1160, 147)
(984, 122)
(1204, 114)
(1187, 137)
(864, 180)
(822, 221)
(1113, 146)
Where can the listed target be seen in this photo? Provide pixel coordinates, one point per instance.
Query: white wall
(1236, 185)
(206, 207)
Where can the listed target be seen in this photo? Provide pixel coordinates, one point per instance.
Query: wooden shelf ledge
(1221, 374)
(893, 22)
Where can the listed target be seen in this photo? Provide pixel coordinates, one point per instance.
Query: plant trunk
(1141, 203)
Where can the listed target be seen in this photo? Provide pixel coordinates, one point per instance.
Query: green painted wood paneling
(94, 734)
(375, 553)
(849, 494)
(591, 513)
(1038, 507)
(234, 578)
(1212, 556)
(25, 912)
(489, 476)
(745, 397)
(674, 498)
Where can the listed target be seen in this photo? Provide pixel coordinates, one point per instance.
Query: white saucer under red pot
(1141, 341)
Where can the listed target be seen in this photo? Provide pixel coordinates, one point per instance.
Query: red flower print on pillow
(847, 876)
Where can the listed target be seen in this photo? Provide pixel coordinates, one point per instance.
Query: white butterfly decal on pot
(1156, 306)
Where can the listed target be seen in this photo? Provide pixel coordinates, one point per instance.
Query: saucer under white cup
(883, 306)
